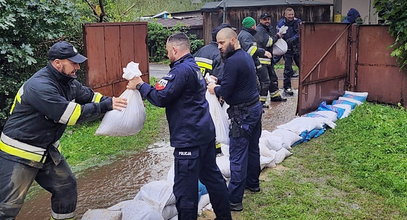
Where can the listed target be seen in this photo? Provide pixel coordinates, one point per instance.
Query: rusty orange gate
(336, 57)
(109, 47)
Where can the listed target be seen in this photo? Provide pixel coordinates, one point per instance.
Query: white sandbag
(363, 94)
(140, 210)
(351, 100)
(272, 142)
(97, 214)
(288, 137)
(203, 201)
(347, 108)
(169, 211)
(157, 193)
(224, 165)
(331, 115)
(280, 47)
(128, 121)
(266, 152)
(301, 124)
(264, 161)
(219, 117)
(225, 149)
(281, 155)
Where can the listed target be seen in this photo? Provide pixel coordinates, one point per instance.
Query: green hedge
(28, 29)
(157, 37)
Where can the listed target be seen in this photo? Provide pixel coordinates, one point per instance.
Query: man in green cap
(248, 44)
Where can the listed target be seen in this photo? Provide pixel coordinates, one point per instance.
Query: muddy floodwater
(107, 185)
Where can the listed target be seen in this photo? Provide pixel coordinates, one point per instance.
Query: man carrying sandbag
(44, 105)
(192, 133)
(238, 88)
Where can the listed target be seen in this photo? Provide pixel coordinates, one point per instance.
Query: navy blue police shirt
(182, 93)
(238, 84)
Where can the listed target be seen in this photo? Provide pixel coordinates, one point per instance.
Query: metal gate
(337, 57)
(109, 47)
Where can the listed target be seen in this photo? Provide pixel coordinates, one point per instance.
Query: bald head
(227, 33)
(227, 41)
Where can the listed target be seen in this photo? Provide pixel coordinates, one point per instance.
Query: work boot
(288, 92)
(253, 189)
(276, 97)
(237, 207)
(265, 105)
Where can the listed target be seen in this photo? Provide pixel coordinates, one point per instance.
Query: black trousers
(191, 164)
(16, 178)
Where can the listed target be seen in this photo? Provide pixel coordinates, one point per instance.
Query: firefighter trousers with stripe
(16, 178)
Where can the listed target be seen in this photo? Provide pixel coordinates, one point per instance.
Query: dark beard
(229, 49)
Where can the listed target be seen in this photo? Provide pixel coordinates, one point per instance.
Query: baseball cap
(64, 50)
(265, 15)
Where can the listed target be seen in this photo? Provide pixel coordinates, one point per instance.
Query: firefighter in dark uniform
(248, 44)
(266, 39)
(192, 133)
(210, 62)
(208, 57)
(238, 88)
(44, 105)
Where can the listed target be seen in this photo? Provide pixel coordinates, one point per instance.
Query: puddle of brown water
(110, 184)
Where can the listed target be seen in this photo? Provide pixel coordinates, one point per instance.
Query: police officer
(266, 39)
(248, 44)
(238, 88)
(44, 105)
(210, 62)
(292, 37)
(192, 133)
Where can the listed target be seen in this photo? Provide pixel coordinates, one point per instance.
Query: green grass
(83, 149)
(356, 171)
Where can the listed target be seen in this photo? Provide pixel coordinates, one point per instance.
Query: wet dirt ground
(104, 186)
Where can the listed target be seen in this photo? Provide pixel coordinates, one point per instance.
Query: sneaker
(295, 75)
(253, 189)
(278, 99)
(237, 207)
(288, 92)
(266, 106)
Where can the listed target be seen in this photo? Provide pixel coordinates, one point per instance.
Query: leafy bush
(393, 12)
(28, 29)
(157, 37)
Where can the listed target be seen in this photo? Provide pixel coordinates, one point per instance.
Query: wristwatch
(138, 86)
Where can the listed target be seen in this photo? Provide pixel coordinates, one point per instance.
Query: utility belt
(237, 114)
(244, 105)
(29, 152)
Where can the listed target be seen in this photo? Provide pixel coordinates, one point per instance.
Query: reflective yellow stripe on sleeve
(252, 50)
(204, 62)
(71, 114)
(269, 42)
(97, 97)
(265, 61)
(17, 98)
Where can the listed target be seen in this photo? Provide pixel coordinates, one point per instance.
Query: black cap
(265, 15)
(64, 50)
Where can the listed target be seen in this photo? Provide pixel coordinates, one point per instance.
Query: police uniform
(238, 88)
(292, 37)
(44, 106)
(192, 134)
(249, 44)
